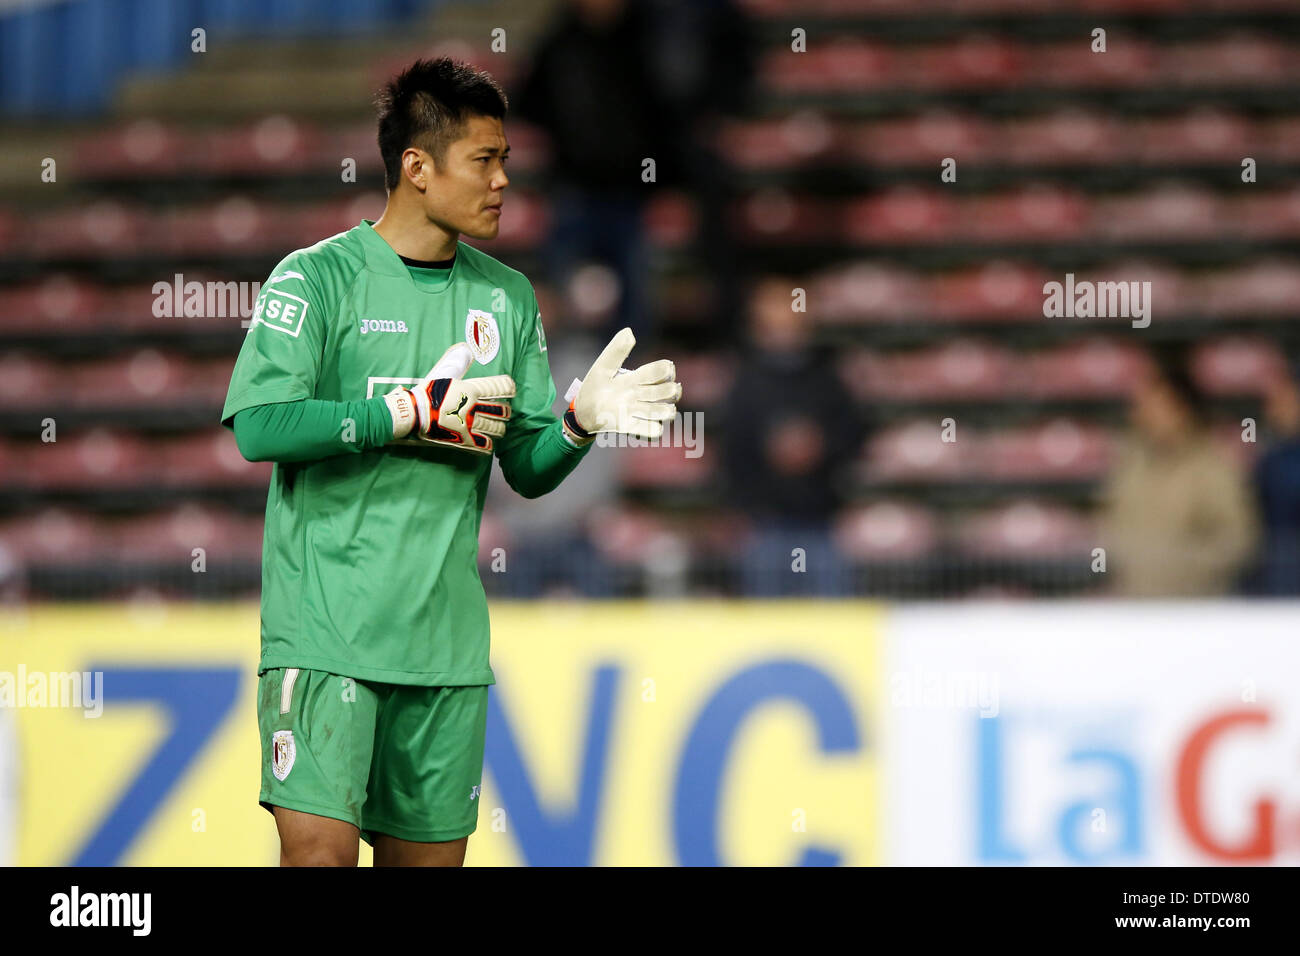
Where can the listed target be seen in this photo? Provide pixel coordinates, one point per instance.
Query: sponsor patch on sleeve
(280, 311)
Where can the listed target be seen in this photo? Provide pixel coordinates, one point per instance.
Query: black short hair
(1172, 368)
(427, 106)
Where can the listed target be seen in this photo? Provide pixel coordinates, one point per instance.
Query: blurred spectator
(790, 429)
(1178, 520)
(13, 578)
(550, 547)
(591, 87)
(1277, 486)
(704, 56)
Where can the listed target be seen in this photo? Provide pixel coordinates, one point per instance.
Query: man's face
(1282, 404)
(1158, 413)
(463, 194)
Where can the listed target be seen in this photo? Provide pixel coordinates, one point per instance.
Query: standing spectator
(13, 578)
(550, 549)
(592, 88)
(1178, 520)
(704, 56)
(790, 429)
(1277, 487)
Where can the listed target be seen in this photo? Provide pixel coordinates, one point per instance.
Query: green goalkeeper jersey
(370, 559)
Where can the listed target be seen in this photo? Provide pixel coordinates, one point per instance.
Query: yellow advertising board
(620, 733)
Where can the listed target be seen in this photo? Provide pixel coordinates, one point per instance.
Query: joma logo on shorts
(473, 792)
(381, 325)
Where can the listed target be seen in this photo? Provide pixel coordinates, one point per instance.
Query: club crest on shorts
(482, 335)
(282, 753)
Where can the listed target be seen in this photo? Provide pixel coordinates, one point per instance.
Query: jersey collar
(383, 258)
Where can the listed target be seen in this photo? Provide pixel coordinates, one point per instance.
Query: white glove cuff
(574, 440)
(401, 404)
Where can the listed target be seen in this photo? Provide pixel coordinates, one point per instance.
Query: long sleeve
(1228, 526)
(534, 454)
(310, 429)
(1179, 523)
(537, 465)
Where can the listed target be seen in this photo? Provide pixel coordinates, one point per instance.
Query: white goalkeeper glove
(446, 409)
(615, 399)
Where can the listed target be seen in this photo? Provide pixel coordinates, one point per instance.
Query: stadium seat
(1073, 135)
(998, 290)
(29, 382)
(209, 459)
(838, 66)
(94, 460)
(902, 214)
(271, 145)
(1237, 366)
(868, 291)
(663, 466)
(1025, 528)
(172, 535)
(56, 534)
(1269, 288)
(1059, 450)
(1035, 212)
(915, 451)
(1092, 368)
(144, 147)
(103, 229)
(887, 530)
(963, 369)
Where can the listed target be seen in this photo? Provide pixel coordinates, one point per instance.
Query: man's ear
(414, 167)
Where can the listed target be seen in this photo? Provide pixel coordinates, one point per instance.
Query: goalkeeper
(383, 369)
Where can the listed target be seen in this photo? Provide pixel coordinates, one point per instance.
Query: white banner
(1081, 732)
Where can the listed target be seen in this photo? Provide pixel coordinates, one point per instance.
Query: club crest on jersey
(282, 753)
(482, 335)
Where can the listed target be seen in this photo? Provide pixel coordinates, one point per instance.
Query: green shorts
(387, 758)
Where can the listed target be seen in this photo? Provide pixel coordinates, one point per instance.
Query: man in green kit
(383, 369)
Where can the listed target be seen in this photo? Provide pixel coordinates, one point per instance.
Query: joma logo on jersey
(382, 325)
